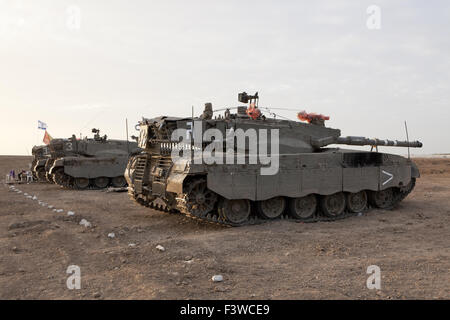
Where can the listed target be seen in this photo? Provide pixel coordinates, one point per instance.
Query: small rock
(132, 245)
(25, 194)
(29, 197)
(97, 295)
(34, 198)
(85, 223)
(160, 247)
(217, 278)
(59, 210)
(359, 214)
(70, 213)
(15, 249)
(187, 258)
(50, 207)
(111, 235)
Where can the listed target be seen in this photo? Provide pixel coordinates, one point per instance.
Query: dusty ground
(277, 260)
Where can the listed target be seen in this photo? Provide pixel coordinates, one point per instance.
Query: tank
(93, 163)
(309, 176)
(58, 148)
(40, 155)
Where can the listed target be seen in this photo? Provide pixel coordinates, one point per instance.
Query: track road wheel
(119, 182)
(304, 207)
(199, 199)
(235, 212)
(357, 202)
(333, 205)
(101, 182)
(271, 208)
(58, 176)
(49, 177)
(81, 183)
(383, 199)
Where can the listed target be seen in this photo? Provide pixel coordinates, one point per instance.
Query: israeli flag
(42, 125)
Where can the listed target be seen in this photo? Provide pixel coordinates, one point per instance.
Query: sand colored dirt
(275, 260)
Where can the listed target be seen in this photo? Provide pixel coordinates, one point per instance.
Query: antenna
(192, 136)
(128, 143)
(407, 138)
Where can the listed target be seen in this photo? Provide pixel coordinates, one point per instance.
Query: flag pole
(128, 143)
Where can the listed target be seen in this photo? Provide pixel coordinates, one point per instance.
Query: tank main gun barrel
(362, 141)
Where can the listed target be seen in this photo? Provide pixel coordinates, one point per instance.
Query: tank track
(68, 183)
(218, 220)
(39, 175)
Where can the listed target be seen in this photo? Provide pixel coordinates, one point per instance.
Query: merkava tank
(58, 148)
(40, 155)
(92, 163)
(305, 179)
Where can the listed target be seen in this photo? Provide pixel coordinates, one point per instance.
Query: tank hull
(333, 174)
(89, 173)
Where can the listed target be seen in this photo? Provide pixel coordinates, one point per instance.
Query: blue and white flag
(42, 125)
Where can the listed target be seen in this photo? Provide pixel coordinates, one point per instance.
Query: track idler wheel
(304, 207)
(235, 212)
(271, 208)
(383, 199)
(118, 182)
(81, 183)
(101, 182)
(60, 178)
(357, 202)
(405, 190)
(333, 205)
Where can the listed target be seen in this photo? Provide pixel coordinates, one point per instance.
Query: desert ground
(274, 260)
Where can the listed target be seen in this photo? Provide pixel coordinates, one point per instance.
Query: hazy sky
(128, 59)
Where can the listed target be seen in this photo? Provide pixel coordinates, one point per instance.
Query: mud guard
(175, 182)
(92, 168)
(57, 163)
